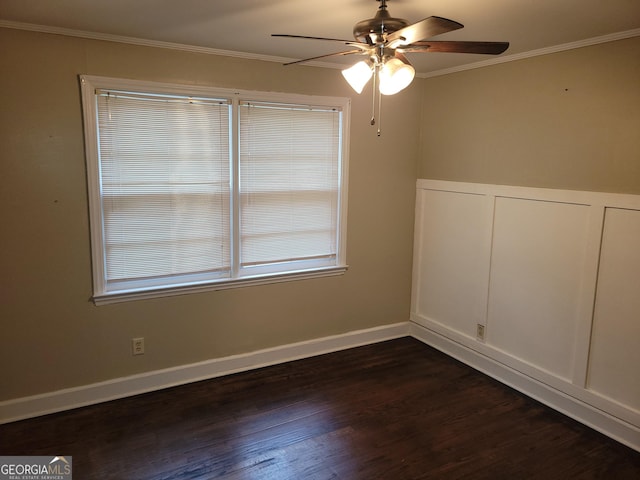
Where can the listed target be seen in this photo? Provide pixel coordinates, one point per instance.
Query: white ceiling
(245, 26)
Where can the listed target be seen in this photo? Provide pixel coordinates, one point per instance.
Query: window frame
(101, 293)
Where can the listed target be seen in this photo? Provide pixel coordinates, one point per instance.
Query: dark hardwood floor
(393, 410)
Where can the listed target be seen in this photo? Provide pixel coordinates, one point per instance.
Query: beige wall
(52, 335)
(569, 120)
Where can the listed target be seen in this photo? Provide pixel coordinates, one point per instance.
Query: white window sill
(130, 295)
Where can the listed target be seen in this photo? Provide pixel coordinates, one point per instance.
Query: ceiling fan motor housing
(384, 38)
(373, 30)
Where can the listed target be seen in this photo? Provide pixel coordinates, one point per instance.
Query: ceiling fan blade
(311, 38)
(489, 48)
(348, 52)
(426, 28)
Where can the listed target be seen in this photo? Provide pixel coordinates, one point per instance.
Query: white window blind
(193, 188)
(164, 166)
(289, 179)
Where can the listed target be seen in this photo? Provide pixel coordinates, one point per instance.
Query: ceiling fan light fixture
(358, 75)
(384, 40)
(395, 75)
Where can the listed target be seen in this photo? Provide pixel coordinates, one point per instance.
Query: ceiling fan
(383, 40)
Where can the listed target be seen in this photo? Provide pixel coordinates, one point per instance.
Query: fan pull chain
(379, 111)
(373, 101)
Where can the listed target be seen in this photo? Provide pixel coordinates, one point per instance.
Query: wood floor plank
(393, 410)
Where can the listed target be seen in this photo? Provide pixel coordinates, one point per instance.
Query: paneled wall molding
(597, 418)
(580, 197)
(538, 280)
(612, 408)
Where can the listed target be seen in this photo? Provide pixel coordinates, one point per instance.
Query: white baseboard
(599, 420)
(69, 398)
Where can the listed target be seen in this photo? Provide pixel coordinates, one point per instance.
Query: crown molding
(69, 32)
(535, 53)
(269, 58)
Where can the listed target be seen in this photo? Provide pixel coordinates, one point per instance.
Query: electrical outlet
(480, 332)
(137, 346)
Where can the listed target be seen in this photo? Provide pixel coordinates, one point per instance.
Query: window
(194, 188)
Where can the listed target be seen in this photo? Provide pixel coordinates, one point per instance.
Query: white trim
(289, 271)
(566, 393)
(269, 58)
(418, 229)
(69, 398)
(595, 418)
(549, 379)
(108, 37)
(163, 291)
(93, 82)
(612, 37)
(578, 197)
(487, 248)
(586, 305)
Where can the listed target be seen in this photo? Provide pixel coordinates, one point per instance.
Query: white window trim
(90, 83)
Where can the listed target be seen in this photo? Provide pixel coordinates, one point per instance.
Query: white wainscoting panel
(537, 262)
(451, 266)
(614, 367)
(554, 278)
